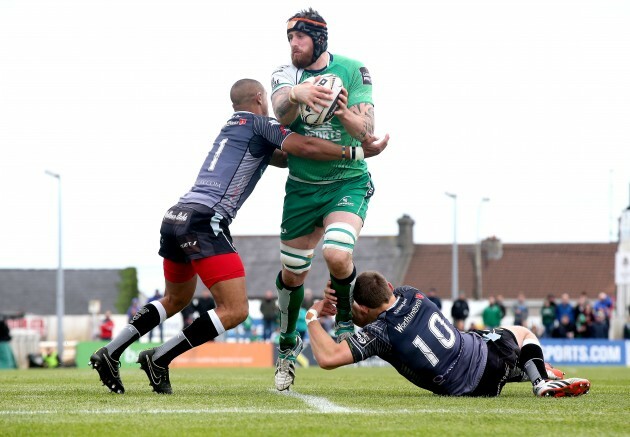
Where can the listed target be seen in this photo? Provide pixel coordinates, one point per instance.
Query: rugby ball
(310, 115)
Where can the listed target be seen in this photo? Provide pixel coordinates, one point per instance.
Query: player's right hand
(329, 294)
(308, 93)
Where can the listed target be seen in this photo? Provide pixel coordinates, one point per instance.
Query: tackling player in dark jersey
(195, 236)
(406, 329)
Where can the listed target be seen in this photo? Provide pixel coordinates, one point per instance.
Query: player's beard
(302, 59)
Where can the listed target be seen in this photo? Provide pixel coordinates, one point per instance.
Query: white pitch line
(321, 404)
(114, 411)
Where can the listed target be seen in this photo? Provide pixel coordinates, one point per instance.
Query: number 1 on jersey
(213, 164)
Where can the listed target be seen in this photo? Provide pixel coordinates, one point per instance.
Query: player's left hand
(324, 308)
(372, 146)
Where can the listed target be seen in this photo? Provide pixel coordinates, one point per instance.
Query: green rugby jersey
(356, 80)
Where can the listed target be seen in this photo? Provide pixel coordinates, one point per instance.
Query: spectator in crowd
(548, 315)
(133, 309)
(564, 308)
(328, 323)
(583, 321)
(501, 305)
(603, 303)
(270, 313)
(309, 299)
(245, 330)
(564, 329)
(107, 327)
(51, 359)
(580, 305)
(433, 297)
(626, 327)
(599, 328)
(188, 315)
(300, 326)
(492, 314)
(460, 312)
(160, 327)
(205, 302)
(7, 360)
(521, 312)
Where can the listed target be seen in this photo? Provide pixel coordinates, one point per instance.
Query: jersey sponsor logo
(275, 82)
(208, 183)
(400, 306)
(175, 219)
(409, 317)
(325, 132)
(365, 74)
(362, 338)
(345, 201)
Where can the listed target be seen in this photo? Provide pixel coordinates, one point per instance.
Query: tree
(127, 289)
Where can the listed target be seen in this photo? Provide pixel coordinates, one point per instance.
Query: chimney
(405, 233)
(492, 248)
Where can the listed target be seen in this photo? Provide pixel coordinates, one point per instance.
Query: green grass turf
(348, 401)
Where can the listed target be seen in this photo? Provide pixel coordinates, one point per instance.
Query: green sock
(343, 290)
(289, 301)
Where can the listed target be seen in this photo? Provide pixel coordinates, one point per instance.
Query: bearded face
(301, 49)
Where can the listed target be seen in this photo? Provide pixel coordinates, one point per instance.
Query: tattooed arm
(357, 120)
(284, 110)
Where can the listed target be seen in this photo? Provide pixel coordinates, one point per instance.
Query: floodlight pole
(455, 272)
(60, 284)
(478, 291)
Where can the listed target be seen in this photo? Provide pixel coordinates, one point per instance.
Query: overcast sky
(526, 103)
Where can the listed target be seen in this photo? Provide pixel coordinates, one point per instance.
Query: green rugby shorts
(306, 205)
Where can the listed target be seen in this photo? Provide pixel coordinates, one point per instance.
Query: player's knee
(174, 303)
(339, 241)
(232, 316)
(337, 259)
(239, 315)
(296, 261)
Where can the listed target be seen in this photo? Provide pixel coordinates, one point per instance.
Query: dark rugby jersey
(236, 161)
(422, 345)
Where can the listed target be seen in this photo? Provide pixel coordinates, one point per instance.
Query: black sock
(198, 332)
(532, 362)
(147, 318)
(343, 291)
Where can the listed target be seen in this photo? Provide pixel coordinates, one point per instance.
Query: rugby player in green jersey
(322, 199)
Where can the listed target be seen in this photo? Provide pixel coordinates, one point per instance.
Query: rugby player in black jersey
(403, 327)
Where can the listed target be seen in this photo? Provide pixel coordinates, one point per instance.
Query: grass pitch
(348, 401)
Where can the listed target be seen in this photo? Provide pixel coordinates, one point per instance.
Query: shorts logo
(345, 201)
(190, 245)
(365, 74)
(175, 219)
